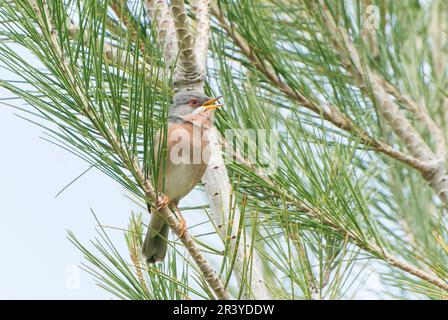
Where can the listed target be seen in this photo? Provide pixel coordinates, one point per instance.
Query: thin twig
(367, 246)
(379, 252)
(121, 9)
(111, 52)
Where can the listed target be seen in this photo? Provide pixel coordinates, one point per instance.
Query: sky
(37, 260)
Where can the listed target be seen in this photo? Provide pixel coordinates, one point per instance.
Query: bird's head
(185, 103)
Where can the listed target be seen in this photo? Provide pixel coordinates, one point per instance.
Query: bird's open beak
(210, 104)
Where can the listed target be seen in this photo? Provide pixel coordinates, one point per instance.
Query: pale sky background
(36, 256)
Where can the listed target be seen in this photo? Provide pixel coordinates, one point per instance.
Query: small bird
(188, 117)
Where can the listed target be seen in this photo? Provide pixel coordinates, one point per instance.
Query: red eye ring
(194, 101)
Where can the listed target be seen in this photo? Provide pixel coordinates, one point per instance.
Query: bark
(188, 74)
(159, 12)
(203, 32)
(218, 189)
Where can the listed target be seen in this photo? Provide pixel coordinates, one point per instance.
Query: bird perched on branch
(188, 153)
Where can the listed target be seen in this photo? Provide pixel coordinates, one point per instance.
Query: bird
(188, 117)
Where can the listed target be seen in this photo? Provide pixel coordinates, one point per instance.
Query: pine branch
(202, 31)
(368, 246)
(121, 9)
(434, 171)
(160, 15)
(329, 112)
(112, 53)
(439, 38)
(189, 75)
(376, 250)
(218, 189)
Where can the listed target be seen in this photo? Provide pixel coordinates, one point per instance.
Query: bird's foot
(162, 203)
(182, 222)
(182, 225)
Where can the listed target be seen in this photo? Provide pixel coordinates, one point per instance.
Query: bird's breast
(188, 155)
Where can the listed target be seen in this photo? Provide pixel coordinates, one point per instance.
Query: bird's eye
(194, 102)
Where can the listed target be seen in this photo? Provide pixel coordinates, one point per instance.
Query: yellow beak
(209, 105)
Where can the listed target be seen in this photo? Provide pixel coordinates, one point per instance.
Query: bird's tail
(155, 245)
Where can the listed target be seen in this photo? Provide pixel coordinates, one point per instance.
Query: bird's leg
(182, 222)
(162, 203)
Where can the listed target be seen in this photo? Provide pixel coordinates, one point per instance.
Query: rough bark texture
(188, 73)
(166, 33)
(202, 32)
